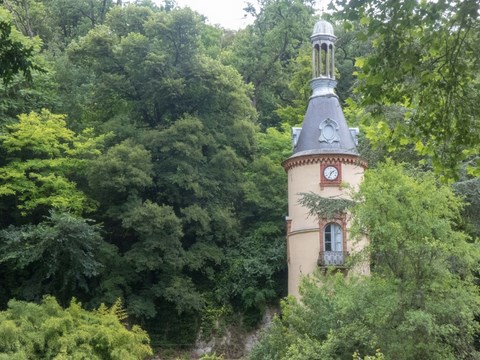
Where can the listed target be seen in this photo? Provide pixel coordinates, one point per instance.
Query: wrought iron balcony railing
(332, 258)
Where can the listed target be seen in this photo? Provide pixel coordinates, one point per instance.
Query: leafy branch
(322, 207)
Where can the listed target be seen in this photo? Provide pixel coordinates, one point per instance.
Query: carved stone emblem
(328, 131)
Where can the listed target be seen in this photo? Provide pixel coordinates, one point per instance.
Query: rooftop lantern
(323, 59)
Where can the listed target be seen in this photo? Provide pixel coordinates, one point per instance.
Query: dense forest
(141, 182)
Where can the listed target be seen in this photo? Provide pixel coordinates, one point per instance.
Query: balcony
(332, 258)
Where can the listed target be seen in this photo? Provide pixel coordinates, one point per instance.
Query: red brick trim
(324, 159)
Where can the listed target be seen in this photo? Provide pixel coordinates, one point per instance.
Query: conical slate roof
(324, 113)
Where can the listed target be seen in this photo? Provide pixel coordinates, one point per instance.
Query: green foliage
(213, 356)
(407, 220)
(348, 47)
(470, 191)
(57, 22)
(419, 302)
(124, 20)
(251, 278)
(15, 54)
(293, 111)
(325, 208)
(263, 52)
(214, 321)
(254, 276)
(424, 60)
(266, 186)
(171, 191)
(158, 256)
(125, 169)
(47, 331)
(378, 356)
(41, 155)
(57, 256)
(30, 85)
(21, 96)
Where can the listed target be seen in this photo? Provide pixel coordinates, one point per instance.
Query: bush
(47, 331)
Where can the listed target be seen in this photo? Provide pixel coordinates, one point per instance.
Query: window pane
(327, 236)
(332, 237)
(338, 237)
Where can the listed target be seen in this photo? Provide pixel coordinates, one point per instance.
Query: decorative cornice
(322, 159)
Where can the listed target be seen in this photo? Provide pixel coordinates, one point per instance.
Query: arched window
(332, 252)
(332, 237)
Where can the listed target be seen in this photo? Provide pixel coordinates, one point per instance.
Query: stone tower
(324, 159)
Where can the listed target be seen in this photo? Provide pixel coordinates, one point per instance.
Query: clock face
(330, 172)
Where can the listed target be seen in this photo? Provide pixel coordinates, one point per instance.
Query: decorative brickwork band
(323, 159)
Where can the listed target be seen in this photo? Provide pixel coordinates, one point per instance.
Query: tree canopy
(135, 165)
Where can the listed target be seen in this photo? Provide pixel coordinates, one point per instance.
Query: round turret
(325, 162)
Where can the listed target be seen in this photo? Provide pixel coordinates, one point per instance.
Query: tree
(22, 96)
(263, 52)
(425, 61)
(59, 256)
(293, 111)
(254, 277)
(124, 20)
(124, 171)
(57, 22)
(420, 300)
(15, 54)
(157, 256)
(470, 190)
(184, 127)
(24, 14)
(28, 82)
(46, 331)
(41, 157)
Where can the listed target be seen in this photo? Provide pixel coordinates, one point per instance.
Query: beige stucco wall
(303, 255)
(304, 238)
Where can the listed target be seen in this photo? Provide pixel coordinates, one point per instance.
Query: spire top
(323, 59)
